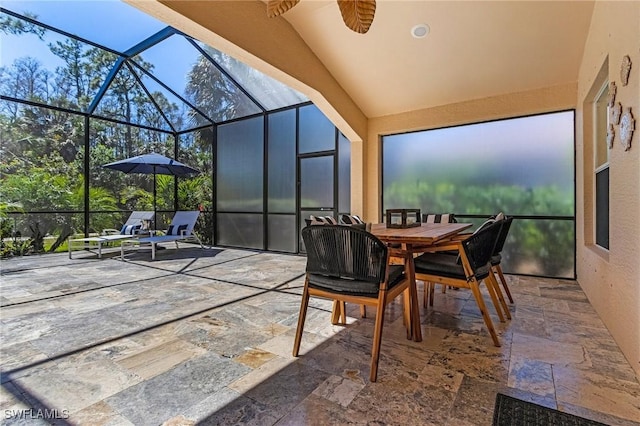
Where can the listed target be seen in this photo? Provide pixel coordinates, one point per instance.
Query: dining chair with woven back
(467, 270)
(347, 264)
(429, 288)
(496, 257)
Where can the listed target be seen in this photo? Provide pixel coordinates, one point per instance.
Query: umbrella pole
(155, 226)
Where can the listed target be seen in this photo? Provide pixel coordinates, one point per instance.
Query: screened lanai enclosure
(78, 92)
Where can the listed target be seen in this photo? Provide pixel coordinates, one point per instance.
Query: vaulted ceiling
(474, 49)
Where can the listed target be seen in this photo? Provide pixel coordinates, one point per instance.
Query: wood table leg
(416, 330)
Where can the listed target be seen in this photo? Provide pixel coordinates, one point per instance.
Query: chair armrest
(110, 231)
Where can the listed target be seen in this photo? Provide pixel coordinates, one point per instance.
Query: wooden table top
(426, 233)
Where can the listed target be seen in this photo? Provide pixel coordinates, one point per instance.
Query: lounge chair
(180, 229)
(136, 222)
(133, 227)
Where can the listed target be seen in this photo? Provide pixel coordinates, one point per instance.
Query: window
(601, 123)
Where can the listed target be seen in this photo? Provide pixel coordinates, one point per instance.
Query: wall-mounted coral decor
(611, 135)
(613, 89)
(627, 126)
(614, 113)
(625, 70)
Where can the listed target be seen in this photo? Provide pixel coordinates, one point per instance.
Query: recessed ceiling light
(420, 31)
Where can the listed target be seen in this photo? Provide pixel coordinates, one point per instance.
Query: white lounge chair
(133, 227)
(180, 229)
(136, 222)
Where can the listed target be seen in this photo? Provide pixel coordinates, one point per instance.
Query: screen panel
(523, 167)
(316, 131)
(316, 182)
(282, 233)
(344, 174)
(282, 162)
(542, 247)
(240, 230)
(240, 170)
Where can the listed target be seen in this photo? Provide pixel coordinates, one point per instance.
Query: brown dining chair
(467, 270)
(347, 264)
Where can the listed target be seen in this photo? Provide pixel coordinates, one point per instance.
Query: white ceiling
(475, 49)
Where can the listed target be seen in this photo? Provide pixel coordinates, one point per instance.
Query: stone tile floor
(205, 337)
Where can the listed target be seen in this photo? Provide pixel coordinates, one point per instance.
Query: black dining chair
(496, 257)
(429, 288)
(439, 218)
(346, 264)
(467, 270)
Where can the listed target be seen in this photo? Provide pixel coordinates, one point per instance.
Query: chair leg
(475, 289)
(377, 336)
(406, 300)
(336, 312)
(304, 304)
(498, 268)
(429, 292)
(494, 298)
(425, 295)
(363, 311)
(503, 303)
(339, 313)
(197, 238)
(432, 293)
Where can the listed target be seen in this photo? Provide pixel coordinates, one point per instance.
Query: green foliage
(17, 247)
(11, 25)
(194, 192)
(8, 214)
(544, 247)
(483, 199)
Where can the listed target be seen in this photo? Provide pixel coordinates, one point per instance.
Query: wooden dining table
(416, 240)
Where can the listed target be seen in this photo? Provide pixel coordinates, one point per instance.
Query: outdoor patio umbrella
(155, 164)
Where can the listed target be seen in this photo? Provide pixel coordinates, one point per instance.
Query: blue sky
(119, 26)
(108, 22)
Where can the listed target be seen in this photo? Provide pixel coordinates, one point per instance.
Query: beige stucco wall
(611, 279)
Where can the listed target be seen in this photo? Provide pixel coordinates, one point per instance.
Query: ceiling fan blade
(357, 14)
(278, 7)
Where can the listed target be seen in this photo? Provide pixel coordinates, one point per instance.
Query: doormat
(511, 411)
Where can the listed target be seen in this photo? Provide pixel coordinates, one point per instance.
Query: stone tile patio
(205, 337)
